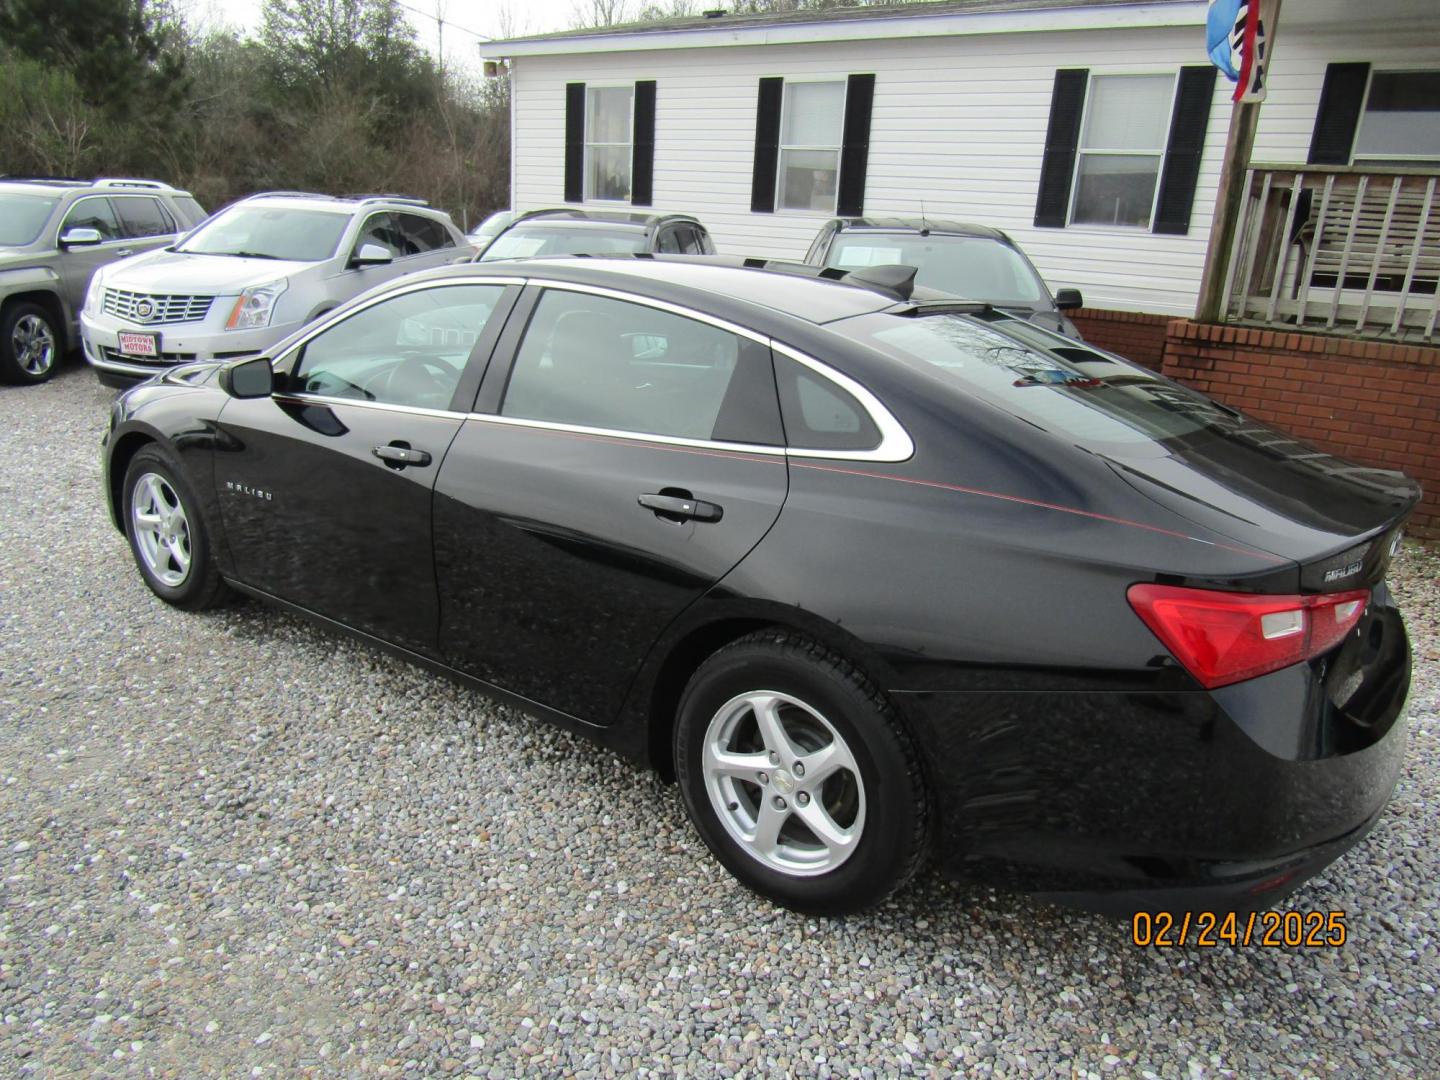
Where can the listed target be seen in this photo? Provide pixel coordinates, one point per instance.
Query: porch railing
(1346, 250)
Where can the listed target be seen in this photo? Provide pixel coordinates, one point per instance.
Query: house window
(1122, 149)
(609, 141)
(811, 134)
(1401, 120)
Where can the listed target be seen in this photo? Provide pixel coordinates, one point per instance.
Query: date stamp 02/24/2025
(1212, 929)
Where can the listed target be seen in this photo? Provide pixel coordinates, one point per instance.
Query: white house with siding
(1092, 132)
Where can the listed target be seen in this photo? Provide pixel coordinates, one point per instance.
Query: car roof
(342, 204)
(575, 216)
(60, 185)
(941, 226)
(720, 285)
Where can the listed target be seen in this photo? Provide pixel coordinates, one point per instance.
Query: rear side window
(820, 415)
(597, 362)
(384, 230)
(143, 217)
(194, 211)
(424, 234)
(93, 214)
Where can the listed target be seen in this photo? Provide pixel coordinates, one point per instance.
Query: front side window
(94, 214)
(592, 361)
(1401, 120)
(609, 112)
(408, 350)
(1122, 146)
(425, 234)
(811, 132)
(143, 217)
(254, 230)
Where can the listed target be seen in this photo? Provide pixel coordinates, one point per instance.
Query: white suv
(251, 274)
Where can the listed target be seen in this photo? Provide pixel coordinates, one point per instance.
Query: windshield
(975, 267)
(1046, 380)
(22, 217)
(269, 232)
(523, 243)
(494, 223)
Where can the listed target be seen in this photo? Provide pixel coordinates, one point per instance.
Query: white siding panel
(958, 128)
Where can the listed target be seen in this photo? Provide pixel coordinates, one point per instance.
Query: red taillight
(1222, 638)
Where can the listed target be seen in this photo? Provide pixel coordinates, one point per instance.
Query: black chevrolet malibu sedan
(876, 575)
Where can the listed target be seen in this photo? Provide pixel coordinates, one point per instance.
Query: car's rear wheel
(799, 775)
(167, 533)
(30, 343)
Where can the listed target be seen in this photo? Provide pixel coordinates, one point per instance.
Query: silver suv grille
(152, 309)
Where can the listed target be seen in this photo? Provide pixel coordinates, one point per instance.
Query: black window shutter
(1341, 96)
(1067, 104)
(1188, 124)
(855, 150)
(575, 142)
(642, 160)
(767, 145)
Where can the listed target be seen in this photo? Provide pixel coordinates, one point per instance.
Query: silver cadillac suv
(253, 273)
(54, 234)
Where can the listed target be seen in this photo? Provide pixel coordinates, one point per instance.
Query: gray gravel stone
(233, 844)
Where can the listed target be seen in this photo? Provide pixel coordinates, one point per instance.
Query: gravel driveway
(233, 844)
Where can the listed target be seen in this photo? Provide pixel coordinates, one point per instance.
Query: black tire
(26, 326)
(200, 586)
(891, 840)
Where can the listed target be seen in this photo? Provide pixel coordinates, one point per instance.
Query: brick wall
(1134, 335)
(1374, 402)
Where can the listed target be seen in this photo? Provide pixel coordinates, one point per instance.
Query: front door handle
(398, 456)
(123, 252)
(680, 506)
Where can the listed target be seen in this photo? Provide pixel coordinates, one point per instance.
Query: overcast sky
(467, 22)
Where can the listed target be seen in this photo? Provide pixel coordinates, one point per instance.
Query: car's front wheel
(166, 529)
(799, 775)
(30, 343)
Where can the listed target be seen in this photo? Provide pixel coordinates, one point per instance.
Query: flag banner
(1235, 41)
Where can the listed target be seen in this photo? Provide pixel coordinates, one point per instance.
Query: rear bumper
(1125, 801)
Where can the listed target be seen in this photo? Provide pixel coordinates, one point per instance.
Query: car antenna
(924, 225)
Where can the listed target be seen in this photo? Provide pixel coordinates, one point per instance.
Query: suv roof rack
(122, 182)
(71, 181)
(287, 195)
(409, 200)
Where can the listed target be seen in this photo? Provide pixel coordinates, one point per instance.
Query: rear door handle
(680, 507)
(124, 252)
(401, 455)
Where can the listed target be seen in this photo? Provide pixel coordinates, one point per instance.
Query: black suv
(598, 232)
(955, 257)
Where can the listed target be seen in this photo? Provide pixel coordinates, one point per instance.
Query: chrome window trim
(895, 442)
(757, 449)
(383, 406)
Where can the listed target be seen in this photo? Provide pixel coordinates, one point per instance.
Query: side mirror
(80, 238)
(251, 378)
(1069, 299)
(371, 255)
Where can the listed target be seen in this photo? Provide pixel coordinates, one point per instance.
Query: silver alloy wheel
(161, 529)
(32, 343)
(783, 783)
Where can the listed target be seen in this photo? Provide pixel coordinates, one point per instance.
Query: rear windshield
(523, 243)
(22, 217)
(1044, 379)
(269, 232)
(974, 267)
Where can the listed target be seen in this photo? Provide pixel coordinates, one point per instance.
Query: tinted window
(93, 214)
(1052, 383)
(384, 230)
(669, 242)
(523, 243)
(270, 232)
(975, 267)
(22, 217)
(425, 234)
(819, 415)
(190, 207)
(691, 241)
(142, 217)
(408, 350)
(596, 362)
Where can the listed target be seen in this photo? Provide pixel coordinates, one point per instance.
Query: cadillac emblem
(144, 310)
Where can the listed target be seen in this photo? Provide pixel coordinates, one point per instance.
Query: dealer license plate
(135, 344)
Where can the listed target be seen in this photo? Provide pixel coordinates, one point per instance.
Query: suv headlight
(93, 294)
(255, 306)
